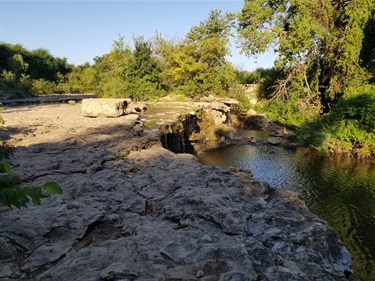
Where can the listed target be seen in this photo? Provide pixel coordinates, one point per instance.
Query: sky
(81, 30)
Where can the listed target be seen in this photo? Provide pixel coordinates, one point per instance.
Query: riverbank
(132, 210)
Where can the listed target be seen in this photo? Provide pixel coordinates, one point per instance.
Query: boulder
(104, 107)
(274, 140)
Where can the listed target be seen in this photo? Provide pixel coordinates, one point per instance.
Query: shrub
(349, 127)
(43, 87)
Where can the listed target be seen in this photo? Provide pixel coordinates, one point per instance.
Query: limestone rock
(104, 107)
(145, 213)
(274, 140)
(135, 107)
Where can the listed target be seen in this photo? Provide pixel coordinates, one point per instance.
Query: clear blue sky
(82, 30)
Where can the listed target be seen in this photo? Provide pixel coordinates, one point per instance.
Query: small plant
(13, 194)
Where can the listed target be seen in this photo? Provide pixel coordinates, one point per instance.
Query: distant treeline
(146, 69)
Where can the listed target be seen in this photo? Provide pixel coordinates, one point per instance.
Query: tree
(318, 45)
(17, 65)
(368, 49)
(112, 69)
(24, 72)
(82, 79)
(197, 65)
(143, 72)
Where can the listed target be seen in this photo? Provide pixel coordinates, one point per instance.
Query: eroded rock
(145, 213)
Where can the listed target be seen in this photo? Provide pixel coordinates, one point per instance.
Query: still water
(340, 190)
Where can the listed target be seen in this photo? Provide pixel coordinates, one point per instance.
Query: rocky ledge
(132, 210)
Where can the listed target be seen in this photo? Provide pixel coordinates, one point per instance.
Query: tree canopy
(319, 45)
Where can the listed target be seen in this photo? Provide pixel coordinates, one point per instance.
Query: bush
(43, 87)
(15, 88)
(349, 127)
(292, 113)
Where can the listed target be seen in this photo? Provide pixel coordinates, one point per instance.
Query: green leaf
(12, 198)
(53, 188)
(4, 167)
(4, 198)
(35, 193)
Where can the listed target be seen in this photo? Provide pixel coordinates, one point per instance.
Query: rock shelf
(132, 210)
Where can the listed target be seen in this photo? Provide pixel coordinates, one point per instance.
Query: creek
(340, 190)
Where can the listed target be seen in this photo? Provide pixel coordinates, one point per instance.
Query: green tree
(207, 45)
(26, 72)
(82, 79)
(17, 65)
(164, 51)
(197, 65)
(7, 52)
(112, 70)
(318, 45)
(143, 72)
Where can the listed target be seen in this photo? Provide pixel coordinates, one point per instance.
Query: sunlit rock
(104, 107)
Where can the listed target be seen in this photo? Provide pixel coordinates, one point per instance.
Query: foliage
(127, 73)
(256, 76)
(82, 79)
(12, 190)
(368, 50)
(266, 81)
(318, 45)
(13, 193)
(13, 87)
(112, 69)
(43, 87)
(26, 72)
(349, 127)
(290, 113)
(38, 64)
(197, 65)
(143, 72)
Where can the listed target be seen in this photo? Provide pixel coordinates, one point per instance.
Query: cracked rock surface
(132, 210)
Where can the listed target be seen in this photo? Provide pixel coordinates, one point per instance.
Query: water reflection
(340, 190)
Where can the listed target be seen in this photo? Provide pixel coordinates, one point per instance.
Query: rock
(251, 112)
(274, 140)
(136, 107)
(256, 122)
(104, 107)
(145, 213)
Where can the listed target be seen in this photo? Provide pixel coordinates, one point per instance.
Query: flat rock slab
(104, 107)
